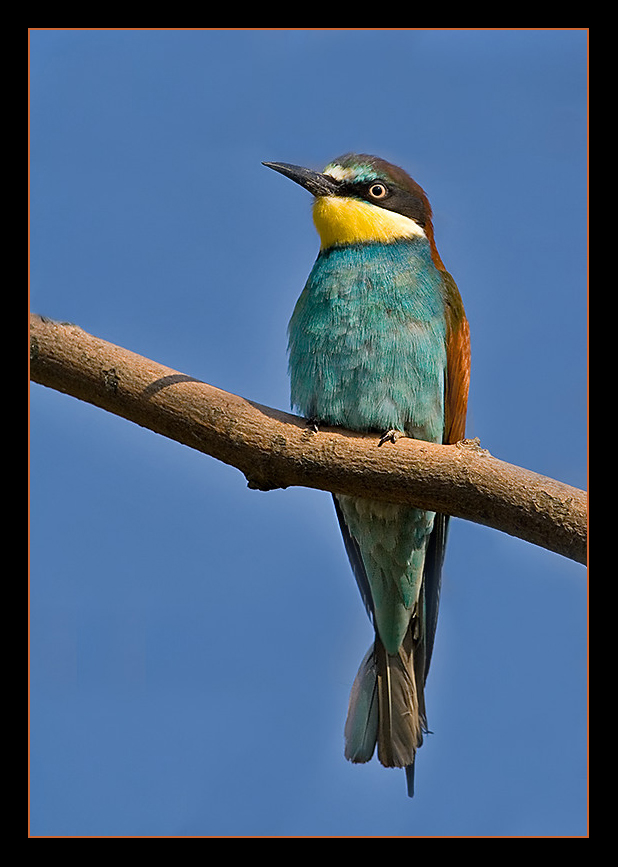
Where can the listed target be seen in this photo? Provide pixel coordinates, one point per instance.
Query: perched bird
(379, 341)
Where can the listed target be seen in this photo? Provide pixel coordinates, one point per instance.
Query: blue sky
(193, 642)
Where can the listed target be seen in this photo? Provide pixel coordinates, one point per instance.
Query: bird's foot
(390, 435)
(313, 423)
(473, 445)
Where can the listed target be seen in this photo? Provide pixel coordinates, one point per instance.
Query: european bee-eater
(379, 341)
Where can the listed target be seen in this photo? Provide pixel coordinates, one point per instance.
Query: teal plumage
(367, 346)
(378, 341)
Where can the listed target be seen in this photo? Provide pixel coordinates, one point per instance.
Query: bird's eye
(378, 191)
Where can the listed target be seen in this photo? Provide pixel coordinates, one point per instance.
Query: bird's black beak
(315, 182)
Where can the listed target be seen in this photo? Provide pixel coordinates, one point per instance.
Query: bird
(379, 342)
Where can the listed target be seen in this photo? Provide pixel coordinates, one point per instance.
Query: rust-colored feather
(457, 363)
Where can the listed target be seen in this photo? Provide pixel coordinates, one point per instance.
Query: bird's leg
(313, 423)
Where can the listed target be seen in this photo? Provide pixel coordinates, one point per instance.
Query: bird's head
(361, 199)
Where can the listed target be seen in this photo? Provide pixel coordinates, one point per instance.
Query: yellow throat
(341, 220)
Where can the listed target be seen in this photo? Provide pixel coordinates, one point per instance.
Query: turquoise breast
(367, 340)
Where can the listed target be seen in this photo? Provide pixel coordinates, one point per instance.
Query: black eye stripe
(405, 202)
(364, 189)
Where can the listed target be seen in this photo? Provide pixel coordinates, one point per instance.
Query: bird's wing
(356, 561)
(455, 407)
(457, 363)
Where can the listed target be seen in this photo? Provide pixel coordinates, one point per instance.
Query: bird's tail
(387, 708)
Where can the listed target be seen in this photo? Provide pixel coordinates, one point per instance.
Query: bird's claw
(392, 435)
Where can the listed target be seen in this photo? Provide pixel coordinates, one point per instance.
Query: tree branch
(276, 450)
